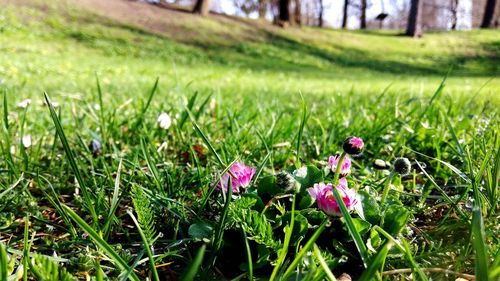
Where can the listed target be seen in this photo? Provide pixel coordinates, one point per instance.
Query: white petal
(26, 140)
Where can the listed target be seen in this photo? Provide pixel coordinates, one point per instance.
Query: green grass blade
(204, 137)
(102, 118)
(219, 231)
(479, 243)
(71, 159)
(284, 250)
(403, 249)
(323, 264)
(249, 255)
(4, 263)
(436, 94)
(53, 198)
(189, 107)
(301, 128)
(26, 247)
(376, 264)
(103, 245)
(151, 166)
(7, 143)
(360, 245)
(114, 200)
(195, 265)
(146, 246)
(141, 114)
(304, 250)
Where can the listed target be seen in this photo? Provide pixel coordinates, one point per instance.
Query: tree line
(413, 16)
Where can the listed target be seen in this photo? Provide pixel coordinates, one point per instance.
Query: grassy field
(142, 201)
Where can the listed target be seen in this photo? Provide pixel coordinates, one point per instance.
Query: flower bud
(402, 166)
(26, 140)
(353, 145)
(164, 121)
(95, 147)
(380, 164)
(285, 181)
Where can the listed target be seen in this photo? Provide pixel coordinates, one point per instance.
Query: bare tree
(345, 14)
(489, 11)
(362, 18)
(320, 13)
(262, 9)
(454, 14)
(414, 27)
(202, 7)
(297, 12)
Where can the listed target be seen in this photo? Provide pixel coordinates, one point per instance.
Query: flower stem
(387, 187)
(337, 170)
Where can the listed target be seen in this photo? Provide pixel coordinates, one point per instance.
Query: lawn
(92, 185)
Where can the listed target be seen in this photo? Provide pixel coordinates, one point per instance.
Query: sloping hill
(117, 36)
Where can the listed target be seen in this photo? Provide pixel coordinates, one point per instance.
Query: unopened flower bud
(164, 121)
(353, 145)
(402, 166)
(95, 147)
(26, 140)
(285, 181)
(380, 164)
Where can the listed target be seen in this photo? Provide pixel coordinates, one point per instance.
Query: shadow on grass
(277, 52)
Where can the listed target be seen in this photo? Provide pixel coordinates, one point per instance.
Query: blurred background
(354, 14)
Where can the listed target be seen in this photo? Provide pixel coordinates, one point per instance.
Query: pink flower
(241, 178)
(346, 165)
(353, 145)
(326, 201)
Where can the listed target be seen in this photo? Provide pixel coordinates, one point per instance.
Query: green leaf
(361, 225)
(258, 205)
(395, 218)
(146, 243)
(371, 208)
(314, 215)
(201, 230)
(312, 176)
(300, 226)
(267, 187)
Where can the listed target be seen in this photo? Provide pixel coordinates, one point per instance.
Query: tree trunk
(320, 15)
(489, 11)
(454, 12)
(362, 19)
(284, 12)
(345, 15)
(202, 7)
(262, 9)
(297, 16)
(414, 27)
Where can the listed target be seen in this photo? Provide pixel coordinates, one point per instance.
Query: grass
(146, 204)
